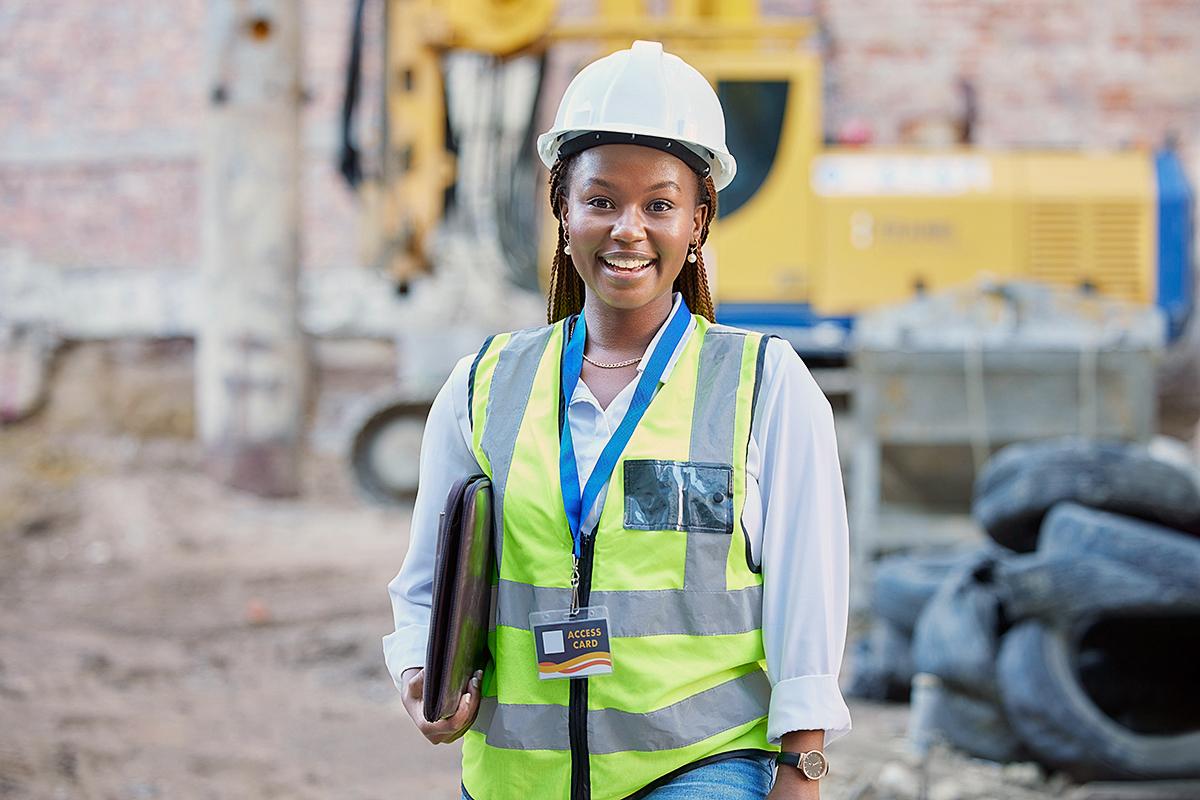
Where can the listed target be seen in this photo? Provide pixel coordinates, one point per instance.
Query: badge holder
(572, 644)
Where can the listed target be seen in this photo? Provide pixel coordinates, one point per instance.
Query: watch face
(814, 765)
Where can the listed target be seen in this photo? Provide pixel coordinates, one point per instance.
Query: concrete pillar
(251, 360)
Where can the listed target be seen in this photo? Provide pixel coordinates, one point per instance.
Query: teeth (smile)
(628, 263)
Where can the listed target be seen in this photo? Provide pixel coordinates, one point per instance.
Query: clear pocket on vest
(678, 496)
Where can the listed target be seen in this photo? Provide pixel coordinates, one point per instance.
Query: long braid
(692, 282)
(566, 287)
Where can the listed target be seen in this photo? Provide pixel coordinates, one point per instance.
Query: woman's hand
(446, 730)
(790, 785)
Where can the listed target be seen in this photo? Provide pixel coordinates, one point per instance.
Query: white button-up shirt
(794, 515)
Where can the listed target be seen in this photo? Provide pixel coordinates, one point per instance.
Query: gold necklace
(617, 365)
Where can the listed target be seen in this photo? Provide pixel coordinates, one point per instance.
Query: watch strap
(796, 760)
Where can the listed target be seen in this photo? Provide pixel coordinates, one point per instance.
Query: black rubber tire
(903, 584)
(977, 726)
(370, 482)
(881, 665)
(1092, 562)
(957, 636)
(1073, 530)
(1057, 721)
(1017, 487)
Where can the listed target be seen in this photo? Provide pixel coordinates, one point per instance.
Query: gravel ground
(164, 637)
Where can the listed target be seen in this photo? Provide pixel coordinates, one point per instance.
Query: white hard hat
(643, 96)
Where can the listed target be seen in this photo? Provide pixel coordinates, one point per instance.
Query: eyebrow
(654, 188)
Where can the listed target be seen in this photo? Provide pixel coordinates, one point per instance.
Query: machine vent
(1100, 244)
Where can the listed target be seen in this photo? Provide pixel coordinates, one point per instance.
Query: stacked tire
(1017, 488)
(1076, 640)
(956, 639)
(1098, 674)
(882, 665)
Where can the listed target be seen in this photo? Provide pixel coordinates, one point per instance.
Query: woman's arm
(804, 550)
(446, 456)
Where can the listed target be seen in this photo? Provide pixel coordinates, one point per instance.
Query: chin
(630, 299)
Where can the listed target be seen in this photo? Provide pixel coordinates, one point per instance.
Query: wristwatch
(812, 763)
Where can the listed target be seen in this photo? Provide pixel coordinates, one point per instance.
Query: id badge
(572, 646)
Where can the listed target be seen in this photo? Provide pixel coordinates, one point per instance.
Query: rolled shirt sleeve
(804, 548)
(446, 457)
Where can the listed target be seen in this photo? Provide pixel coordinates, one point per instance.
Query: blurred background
(242, 243)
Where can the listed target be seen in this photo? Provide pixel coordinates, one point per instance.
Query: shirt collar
(581, 388)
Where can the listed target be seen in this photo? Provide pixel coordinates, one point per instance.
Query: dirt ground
(165, 637)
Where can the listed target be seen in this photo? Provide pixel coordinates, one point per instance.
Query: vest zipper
(577, 704)
(577, 700)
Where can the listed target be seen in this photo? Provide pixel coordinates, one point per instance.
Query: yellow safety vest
(669, 560)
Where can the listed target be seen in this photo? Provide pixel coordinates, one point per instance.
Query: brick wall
(101, 113)
(1090, 73)
(101, 103)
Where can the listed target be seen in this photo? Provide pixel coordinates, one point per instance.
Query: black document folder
(462, 592)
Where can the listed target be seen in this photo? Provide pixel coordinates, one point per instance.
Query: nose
(629, 225)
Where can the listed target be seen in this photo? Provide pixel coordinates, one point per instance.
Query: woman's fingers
(414, 696)
(454, 726)
(468, 707)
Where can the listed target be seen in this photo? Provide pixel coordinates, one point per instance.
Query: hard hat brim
(585, 141)
(721, 165)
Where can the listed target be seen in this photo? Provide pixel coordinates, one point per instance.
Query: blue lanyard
(577, 503)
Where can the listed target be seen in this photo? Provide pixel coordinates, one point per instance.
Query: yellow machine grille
(1100, 244)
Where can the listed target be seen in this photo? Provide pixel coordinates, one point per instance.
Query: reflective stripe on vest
(712, 441)
(684, 606)
(693, 719)
(509, 373)
(649, 612)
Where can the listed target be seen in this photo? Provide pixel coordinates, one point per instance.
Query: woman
(672, 515)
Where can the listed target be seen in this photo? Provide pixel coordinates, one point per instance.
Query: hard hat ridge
(640, 81)
(655, 98)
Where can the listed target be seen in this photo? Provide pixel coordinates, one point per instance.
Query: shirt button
(718, 498)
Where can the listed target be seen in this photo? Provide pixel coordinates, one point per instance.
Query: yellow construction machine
(809, 236)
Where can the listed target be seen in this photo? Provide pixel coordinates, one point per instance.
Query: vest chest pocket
(678, 496)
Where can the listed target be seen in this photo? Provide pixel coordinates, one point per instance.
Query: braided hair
(566, 287)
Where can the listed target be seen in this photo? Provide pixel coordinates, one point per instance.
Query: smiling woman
(667, 493)
(631, 220)
(635, 216)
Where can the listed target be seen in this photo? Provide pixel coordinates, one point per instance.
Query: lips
(627, 263)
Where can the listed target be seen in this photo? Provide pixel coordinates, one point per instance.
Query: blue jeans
(742, 778)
